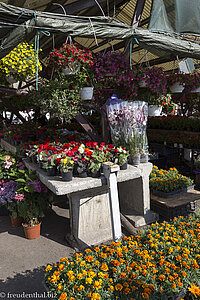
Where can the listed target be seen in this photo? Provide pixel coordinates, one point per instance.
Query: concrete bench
(90, 206)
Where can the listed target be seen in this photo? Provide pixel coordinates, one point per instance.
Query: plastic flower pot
(96, 174)
(86, 93)
(16, 222)
(173, 193)
(176, 88)
(31, 232)
(124, 166)
(134, 159)
(67, 176)
(52, 171)
(83, 174)
(154, 110)
(144, 158)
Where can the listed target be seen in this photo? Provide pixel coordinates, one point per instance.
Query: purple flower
(7, 192)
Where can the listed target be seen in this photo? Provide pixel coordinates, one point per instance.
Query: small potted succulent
(66, 165)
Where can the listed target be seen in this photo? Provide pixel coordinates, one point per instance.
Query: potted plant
(96, 160)
(34, 204)
(66, 165)
(60, 98)
(167, 183)
(84, 79)
(156, 102)
(50, 164)
(122, 156)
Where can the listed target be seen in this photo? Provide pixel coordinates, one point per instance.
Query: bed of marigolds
(168, 181)
(158, 263)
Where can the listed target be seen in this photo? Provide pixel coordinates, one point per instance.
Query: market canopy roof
(18, 24)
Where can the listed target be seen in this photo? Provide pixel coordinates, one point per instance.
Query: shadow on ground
(27, 282)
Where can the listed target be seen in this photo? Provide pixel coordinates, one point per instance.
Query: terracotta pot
(32, 232)
(16, 222)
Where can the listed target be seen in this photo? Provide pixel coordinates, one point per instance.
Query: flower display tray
(179, 205)
(171, 194)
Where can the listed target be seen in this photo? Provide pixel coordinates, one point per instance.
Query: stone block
(90, 217)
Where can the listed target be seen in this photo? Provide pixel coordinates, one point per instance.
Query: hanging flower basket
(154, 110)
(177, 87)
(86, 93)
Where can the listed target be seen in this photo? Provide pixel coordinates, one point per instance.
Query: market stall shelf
(180, 204)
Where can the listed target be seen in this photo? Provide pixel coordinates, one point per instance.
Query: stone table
(90, 207)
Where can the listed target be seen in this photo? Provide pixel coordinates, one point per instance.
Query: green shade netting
(175, 16)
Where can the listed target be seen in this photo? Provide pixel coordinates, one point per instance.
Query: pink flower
(8, 164)
(19, 197)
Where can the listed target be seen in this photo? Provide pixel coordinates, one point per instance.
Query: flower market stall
(116, 135)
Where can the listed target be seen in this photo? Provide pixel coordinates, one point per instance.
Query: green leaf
(21, 180)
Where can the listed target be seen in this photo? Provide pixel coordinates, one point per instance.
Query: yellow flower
(194, 289)
(48, 268)
(95, 296)
(88, 280)
(97, 285)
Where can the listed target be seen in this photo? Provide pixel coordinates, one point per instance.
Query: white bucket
(188, 154)
(154, 110)
(86, 93)
(176, 88)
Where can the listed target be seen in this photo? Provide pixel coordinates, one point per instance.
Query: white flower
(81, 149)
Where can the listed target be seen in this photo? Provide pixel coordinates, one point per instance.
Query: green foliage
(60, 98)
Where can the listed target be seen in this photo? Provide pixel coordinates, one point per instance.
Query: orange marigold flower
(118, 287)
(95, 296)
(97, 285)
(145, 296)
(123, 275)
(161, 277)
(194, 289)
(104, 267)
(63, 296)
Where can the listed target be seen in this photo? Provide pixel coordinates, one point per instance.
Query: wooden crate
(179, 205)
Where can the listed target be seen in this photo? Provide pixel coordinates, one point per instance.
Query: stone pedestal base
(138, 220)
(90, 217)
